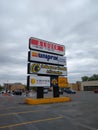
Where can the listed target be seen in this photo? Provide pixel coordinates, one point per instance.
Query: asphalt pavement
(79, 114)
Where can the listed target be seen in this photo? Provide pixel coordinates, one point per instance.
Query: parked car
(2, 92)
(96, 91)
(17, 92)
(69, 91)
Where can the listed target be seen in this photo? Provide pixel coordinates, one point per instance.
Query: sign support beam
(56, 92)
(40, 92)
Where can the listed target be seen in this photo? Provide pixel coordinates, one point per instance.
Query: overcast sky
(73, 23)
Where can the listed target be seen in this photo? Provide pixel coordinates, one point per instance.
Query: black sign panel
(54, 81)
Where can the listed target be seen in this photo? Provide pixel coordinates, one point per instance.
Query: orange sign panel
(62, 82)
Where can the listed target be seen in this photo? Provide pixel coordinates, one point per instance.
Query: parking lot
(79, 114)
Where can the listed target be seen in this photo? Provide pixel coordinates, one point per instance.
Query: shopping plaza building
(14, 86)
(84, 85)
(89, 85)
(78, 86)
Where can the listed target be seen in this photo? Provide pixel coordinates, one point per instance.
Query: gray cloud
(71, 23)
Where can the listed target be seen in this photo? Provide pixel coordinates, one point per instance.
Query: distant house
(14, 86)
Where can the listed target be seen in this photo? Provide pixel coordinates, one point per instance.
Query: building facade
(89, 85)
(14, 86)
(75, 86)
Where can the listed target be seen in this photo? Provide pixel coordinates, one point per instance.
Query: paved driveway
(79, 114)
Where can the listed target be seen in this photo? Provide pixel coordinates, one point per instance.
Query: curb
(47, 100)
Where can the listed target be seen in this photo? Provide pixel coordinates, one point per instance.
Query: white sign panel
(42, 45)
(38, 68)
(39, 81)
(46, 58)
(61, 60)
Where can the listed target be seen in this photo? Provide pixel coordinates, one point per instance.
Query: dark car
(17, 92)
(69, 91)
(96, 91)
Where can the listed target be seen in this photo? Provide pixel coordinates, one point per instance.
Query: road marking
(13, 113)
(3, 107)
(31, 122)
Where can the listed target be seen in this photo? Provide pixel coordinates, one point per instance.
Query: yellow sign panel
(62, 82)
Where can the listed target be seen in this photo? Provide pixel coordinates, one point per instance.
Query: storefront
(89, 85)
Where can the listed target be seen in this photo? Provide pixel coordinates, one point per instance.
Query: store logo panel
(39, 68)
(62, 82)
(42, 45)
(54, 81)
(47, 58)
(39, 81)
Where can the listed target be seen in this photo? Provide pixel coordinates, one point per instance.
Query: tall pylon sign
(46, 66)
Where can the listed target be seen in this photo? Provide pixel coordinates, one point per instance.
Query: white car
(3, 91)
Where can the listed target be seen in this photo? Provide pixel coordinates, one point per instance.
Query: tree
(85, 78)
(1, 87)
(95, 76)
(91, 78)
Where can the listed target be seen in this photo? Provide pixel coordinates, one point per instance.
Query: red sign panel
(43, 45)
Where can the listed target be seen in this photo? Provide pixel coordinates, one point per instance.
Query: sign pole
(56, 92)
(40, 92)
(28, 88)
